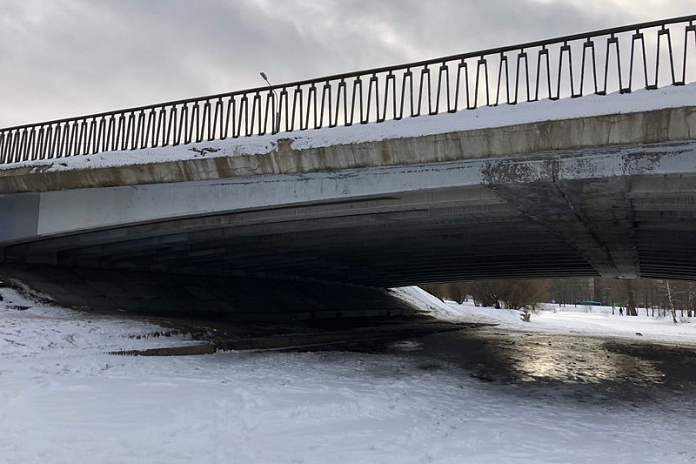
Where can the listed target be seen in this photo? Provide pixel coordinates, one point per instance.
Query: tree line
(657, 297)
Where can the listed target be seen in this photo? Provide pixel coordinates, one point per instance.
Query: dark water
(613, 367)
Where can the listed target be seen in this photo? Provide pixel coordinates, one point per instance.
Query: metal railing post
(180, 122)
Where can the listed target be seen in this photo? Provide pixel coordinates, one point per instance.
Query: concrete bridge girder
(561, 198)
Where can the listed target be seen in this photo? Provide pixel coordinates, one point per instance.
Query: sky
(73, 57)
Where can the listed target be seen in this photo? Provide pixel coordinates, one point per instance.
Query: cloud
(74, 57)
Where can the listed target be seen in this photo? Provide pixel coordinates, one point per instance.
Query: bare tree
(511, 294)
(455, 291)
(667, 287)
(661, 296)
(569, 291)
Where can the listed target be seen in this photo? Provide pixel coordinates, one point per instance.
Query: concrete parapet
(649, 127)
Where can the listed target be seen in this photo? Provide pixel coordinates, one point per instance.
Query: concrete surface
(659, 126)
(608, 195)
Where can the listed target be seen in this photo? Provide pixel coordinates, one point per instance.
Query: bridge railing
(623, 59)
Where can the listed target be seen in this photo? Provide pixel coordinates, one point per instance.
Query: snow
(602, 323)
(480, 118)
(31, 328)
(596, 321)
(64, 400)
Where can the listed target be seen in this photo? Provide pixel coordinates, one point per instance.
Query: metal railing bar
(385, 69)
(313, 105)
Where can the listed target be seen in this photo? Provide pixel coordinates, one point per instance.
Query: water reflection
(509, 357)
(581, 362)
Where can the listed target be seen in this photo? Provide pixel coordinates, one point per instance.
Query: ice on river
(63, 400)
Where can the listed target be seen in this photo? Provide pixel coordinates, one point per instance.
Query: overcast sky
(62, 58)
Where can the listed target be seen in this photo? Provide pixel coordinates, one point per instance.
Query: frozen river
(604, 365)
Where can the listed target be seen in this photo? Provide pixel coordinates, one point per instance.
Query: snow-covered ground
(64, 400)
(568, 319)
(480, 118)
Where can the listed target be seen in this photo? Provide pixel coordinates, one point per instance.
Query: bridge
(573, 156)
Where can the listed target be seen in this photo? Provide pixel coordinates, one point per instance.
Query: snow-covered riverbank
(570, 319)
(63, 400)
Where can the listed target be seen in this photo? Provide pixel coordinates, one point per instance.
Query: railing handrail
(501, 75)
(336, 77)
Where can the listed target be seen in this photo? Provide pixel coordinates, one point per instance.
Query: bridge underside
(610, 195)
(617, 226)
(428, 237)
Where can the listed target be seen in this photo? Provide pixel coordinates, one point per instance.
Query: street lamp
(277, 113)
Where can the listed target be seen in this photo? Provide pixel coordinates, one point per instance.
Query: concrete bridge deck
(605, 195)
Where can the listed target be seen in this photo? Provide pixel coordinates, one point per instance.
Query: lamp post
(276, 119)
